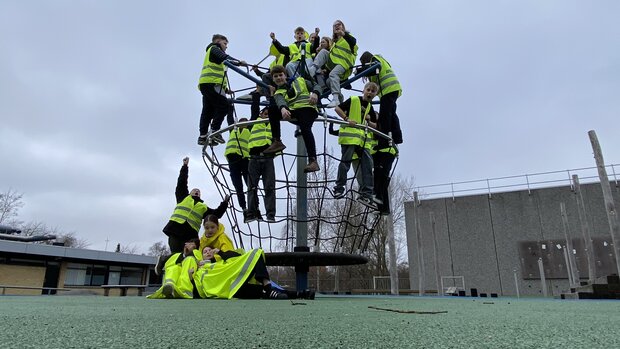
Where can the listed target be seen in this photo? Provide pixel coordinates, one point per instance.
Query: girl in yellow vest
(230, 274)
(294, 50)
(214, 235)
(339, 61)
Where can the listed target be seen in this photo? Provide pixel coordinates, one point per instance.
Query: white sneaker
(333, 104)
(245, 97)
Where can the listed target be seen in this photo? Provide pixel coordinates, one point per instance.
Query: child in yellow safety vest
(353, 140)
(214, 235)
(178, 282)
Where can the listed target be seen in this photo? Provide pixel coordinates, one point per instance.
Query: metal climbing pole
(301, 243)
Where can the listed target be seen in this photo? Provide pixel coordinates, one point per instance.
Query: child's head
(300, 34)
(211, 225)
(220, 40)
(195, 193)
(190, 246)
(207, 253)
(264, 113)
(326, 42)
(338, 26)
(366, 57)
(278, 74)
(243, 120)
(370, 91)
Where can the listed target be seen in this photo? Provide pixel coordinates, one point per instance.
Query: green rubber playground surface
(327, 322)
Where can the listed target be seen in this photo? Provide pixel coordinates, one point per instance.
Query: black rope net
(337, 226)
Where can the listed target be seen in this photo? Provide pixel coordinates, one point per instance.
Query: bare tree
(71, 240)
(10, 203)
(158, 249)
(129, 249)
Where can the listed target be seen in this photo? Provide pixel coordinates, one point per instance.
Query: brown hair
(212, 218)
(217, 37)
(277, 69)
(366, 57)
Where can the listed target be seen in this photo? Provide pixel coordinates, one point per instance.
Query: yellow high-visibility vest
(354, 135)
(387, 80)
(213, 73)
(238, 143)
(189, 211)
(301, 99)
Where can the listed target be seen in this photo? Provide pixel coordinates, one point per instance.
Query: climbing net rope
(343, 225)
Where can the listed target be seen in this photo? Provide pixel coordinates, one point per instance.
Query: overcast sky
(98, 99)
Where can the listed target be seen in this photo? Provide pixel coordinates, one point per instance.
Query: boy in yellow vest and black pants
(295, 102)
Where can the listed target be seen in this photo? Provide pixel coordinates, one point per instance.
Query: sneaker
(271, 218)
(333, 104)
(377, 200)
(338, 193)
(259, 217)
(202, 140)
(218, 138)
(275, 147)
(159, 266)
(246, 97)
(312, 167)
(306, 294)
(168, 291)
(248, 217)
(274, 294)
(366, 202)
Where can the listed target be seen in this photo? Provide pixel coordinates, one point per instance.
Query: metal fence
(514, 183)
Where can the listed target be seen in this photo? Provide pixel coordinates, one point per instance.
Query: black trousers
(388, 119)
(382, 167)
(214, 108)
(238, 166)
(304, 118)
(176, 243)
(252, 291)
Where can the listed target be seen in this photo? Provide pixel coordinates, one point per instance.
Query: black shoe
(259, 216)
(367, 202)
(248, 217)
(202, 140)
(306, 294)
(271, 218)
(338, 193)
(168, 291)
(272, 293)
(218, 138)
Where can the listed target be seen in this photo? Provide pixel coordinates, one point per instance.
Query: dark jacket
(185, 231)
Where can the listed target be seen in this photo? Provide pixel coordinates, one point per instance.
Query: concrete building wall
(478, 237)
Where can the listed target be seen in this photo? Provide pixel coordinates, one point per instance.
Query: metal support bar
(230, 65)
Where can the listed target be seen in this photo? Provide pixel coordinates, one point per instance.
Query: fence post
(437, 277)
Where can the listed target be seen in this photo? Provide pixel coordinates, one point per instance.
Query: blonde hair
(371, 84)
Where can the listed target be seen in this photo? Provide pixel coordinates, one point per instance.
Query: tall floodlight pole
(301, 271)
(612, 215)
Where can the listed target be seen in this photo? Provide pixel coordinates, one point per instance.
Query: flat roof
(30, 248)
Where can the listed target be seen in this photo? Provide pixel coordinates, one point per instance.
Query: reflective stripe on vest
(238, 143)
(190, 212)
(387, 80)
(212, 73)
(260, 135)
(341, 54)
(301, 99)
(353, 135)
(295, 52)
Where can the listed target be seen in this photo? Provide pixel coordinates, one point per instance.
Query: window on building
(131, 276)
(76, 275)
